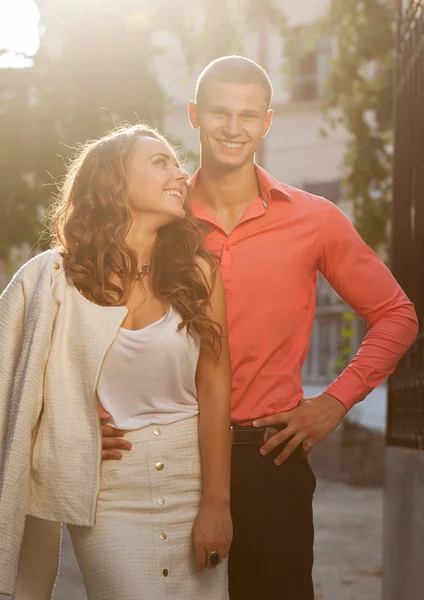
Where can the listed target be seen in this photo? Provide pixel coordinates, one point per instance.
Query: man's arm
(358, 275)
(361, 279)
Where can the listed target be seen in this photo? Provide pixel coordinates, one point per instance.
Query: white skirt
(140, 547)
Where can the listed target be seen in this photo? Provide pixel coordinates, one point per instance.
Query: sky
(18, 31)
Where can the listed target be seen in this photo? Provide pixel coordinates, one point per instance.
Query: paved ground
(348, 542)
(347, 550)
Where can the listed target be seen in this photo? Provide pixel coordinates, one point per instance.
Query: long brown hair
(91, 220)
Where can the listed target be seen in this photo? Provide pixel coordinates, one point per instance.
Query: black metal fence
(405, 426)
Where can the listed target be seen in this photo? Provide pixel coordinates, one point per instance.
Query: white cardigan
(52, 345)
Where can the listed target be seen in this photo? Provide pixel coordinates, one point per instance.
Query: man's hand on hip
(307, 424)
(111, 438)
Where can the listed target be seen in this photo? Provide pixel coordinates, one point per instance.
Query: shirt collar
(270, 188)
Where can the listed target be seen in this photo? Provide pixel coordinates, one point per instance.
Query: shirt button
(56, 266)
(165, 572)
(163, 536)
(160, 501)
(265, 203)
(156, 431)
(159, 466)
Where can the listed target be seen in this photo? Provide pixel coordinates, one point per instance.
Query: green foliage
(93, 69)
(358, 96)
(361, 87)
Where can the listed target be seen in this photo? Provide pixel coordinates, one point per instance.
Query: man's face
(232, 118)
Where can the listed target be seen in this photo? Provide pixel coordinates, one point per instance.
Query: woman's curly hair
(90, 222)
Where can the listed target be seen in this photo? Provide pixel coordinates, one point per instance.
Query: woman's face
(156, 184)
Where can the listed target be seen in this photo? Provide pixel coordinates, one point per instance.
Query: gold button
(165, 572)
(157, 431)
(159, 466)
(56, 266)
(163, 536)
(160, 501)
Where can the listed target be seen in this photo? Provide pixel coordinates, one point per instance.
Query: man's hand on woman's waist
(112, 441)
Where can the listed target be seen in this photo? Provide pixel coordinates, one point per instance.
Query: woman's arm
(212, 530)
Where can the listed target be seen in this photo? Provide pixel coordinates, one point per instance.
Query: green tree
(361, 88)
(358, 96)
(19, 197)
(93, 69)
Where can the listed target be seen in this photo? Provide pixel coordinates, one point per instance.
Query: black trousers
(272, 551)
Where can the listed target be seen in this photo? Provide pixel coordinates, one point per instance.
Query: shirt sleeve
(362, 280)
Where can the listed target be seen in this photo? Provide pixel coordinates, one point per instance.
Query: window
(311, 72)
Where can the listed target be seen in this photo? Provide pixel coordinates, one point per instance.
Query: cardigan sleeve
(26, 323)
(12, 323)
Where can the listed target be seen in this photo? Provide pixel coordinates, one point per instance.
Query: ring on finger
(305, 443)
(213, 558)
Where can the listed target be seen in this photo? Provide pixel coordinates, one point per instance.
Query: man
(273, 239)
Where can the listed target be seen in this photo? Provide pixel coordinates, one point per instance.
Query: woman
(128, 311)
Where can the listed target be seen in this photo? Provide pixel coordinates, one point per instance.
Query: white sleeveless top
(148, 375)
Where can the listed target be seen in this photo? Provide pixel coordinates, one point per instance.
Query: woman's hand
(212, 532)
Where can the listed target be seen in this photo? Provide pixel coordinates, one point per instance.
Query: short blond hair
(233, 69)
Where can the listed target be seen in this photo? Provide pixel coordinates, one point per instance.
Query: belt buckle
(269, 433)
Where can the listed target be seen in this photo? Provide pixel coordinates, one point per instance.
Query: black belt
(253, 435)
